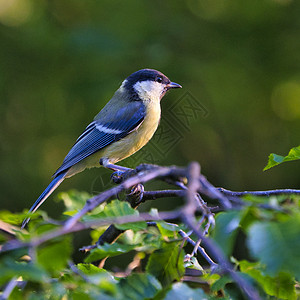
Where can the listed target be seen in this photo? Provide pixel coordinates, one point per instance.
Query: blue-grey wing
(101, 133)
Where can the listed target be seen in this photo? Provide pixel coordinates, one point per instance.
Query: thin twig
(9, 288)
(209, 190)
(153, 195)
(200, 249)
(190, 241)
(223, 263)
(260, 193)
(192, 188)
(35, 242)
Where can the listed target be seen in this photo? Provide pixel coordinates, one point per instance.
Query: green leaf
(275, 159)
(225, 230)
(282, 286)
(192, 263)
(99, 277)
(166, 263)
(12, 218)
(41, 229)
(181, 291)
(117, 209)
(108, 250)
(89, 269)
(277, 245)
(54, 257)
(167, 230)
(80, 295)
(10, 269)
(248, 216)
(122, 208)
(74, 200)
(140, 286)
(221, 282)
(149, 239)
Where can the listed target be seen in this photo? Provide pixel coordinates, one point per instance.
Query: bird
(123, 126)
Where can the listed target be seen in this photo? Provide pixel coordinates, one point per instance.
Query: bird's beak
(173, 85)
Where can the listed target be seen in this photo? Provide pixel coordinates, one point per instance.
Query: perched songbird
(125, 124)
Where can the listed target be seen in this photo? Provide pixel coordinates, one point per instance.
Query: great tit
(125, 124)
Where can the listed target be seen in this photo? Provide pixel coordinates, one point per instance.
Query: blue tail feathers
(46, 193)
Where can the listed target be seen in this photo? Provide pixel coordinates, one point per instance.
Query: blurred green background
(238, 63)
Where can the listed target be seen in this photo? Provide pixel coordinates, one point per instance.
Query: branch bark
(192, 184)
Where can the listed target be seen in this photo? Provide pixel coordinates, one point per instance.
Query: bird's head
(147, 85)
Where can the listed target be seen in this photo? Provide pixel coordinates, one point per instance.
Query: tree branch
(196, 184)
(223, 263)
(259, 193)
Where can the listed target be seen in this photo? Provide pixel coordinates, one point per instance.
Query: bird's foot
(116, 177)
(106, 164)
(135, 195)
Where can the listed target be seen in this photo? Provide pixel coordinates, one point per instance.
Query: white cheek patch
(149, 89)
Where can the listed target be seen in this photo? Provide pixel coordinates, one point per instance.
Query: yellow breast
(137, 138)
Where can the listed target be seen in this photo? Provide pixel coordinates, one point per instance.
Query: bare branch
(209, 190)
(259, 193)
(192, 188)
(35, 242)
(9, 288)
(153, 195)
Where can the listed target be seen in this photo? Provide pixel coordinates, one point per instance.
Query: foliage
(155, 258)
(275, 159)
(238, 62)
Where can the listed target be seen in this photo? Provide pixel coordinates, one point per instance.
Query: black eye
(159, 79)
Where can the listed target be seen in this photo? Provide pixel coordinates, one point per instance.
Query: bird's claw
(117, 177)
(136, 193)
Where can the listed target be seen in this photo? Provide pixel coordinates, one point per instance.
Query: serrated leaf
(225, 230)
(140, 286)
(275, 159)
(181, 291)
(277, 245)
(282, 286)
(167, 263)
(54, 257)
(108, 250)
